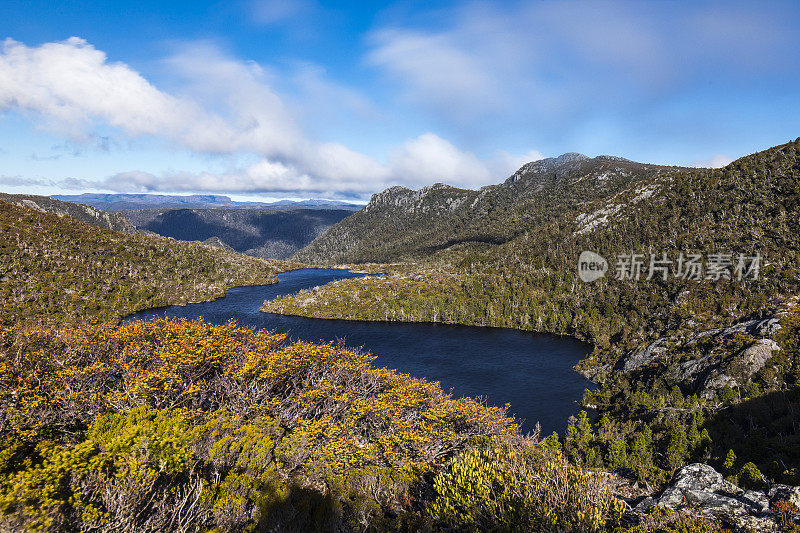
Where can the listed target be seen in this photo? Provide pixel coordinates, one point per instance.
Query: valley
(688, 371)
(269, 233)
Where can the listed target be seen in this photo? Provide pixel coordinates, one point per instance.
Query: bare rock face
(708, 373)
(788, 493)
(699, 487)
(740, 368)
(638, 359)
(753, 358)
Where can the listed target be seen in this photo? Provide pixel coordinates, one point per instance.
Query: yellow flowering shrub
(150, 425)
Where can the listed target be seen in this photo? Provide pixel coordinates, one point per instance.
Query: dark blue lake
(532, 372)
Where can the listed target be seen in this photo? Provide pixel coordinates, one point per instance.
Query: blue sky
(297, 99)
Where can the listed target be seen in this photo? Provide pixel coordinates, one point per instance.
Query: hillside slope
(399, 223)
(270, 233)
(84, 213)
(57, 269)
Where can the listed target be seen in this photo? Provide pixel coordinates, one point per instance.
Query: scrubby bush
(525, 488)
(176, 425)
(750, 477)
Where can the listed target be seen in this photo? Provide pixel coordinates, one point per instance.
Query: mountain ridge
(413, 222)
(690, 370)
(85, 213)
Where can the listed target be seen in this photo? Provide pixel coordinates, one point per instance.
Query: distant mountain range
(275, 232)
(122, 202)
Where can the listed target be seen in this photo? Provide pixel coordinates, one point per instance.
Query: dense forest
(269, 233)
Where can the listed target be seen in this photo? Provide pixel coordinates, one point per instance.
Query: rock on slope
(699, 487)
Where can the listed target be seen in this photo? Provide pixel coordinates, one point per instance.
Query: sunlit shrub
(150, 425)
(531, 488)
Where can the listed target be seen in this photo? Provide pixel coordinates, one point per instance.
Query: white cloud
(255, 117)
(418, 162)
(20, 181)
(70, 84)
(221, 106)
(505, 164)
(271, 12)
(263, 177)
(430, 158)
(715, 161)
(318, 96)
(226, 106)
(435, 69)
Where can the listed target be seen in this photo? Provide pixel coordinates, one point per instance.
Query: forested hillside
(166, 426)
(691, 369)
(270, 233)
(57, 269)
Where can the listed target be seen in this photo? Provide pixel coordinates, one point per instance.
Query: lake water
(532, 372)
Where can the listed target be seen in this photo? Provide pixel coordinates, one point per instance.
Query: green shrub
(750, 477)
(520, 489)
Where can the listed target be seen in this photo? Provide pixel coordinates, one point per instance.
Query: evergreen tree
(552, 441)
(641, 454)
(617, 456)
(678, 446)
(579, 438)
(729, 463)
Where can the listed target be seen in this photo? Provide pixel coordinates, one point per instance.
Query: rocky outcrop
(637, 359)
(437, 198)
(698, 487)
(712, 370)
(787, 493)
(216, 242)
(758, 327)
